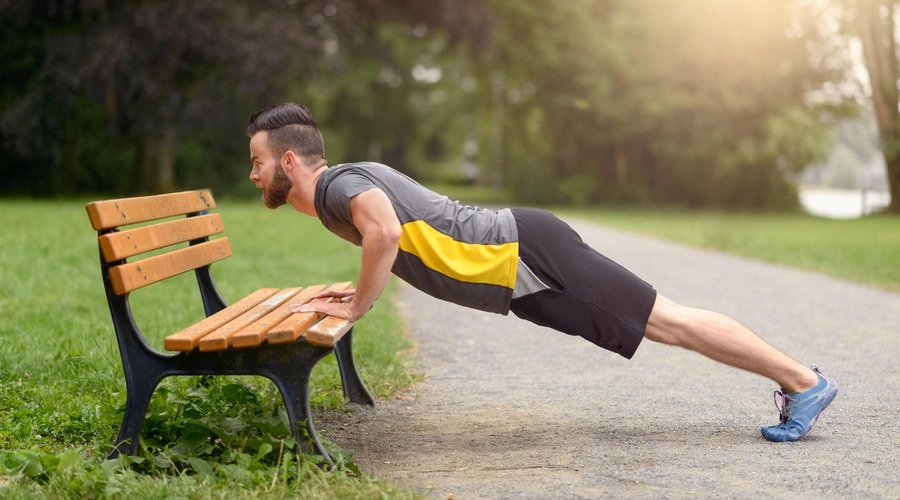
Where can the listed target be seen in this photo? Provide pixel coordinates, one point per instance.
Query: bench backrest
(119, 241)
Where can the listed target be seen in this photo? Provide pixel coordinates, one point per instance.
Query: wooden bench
(257, 335)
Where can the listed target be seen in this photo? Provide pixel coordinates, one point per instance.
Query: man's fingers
(338, 310)
(339, 294)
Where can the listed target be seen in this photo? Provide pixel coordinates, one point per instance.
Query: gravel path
(511, 410)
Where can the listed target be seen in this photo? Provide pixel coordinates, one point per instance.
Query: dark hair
(291, 127)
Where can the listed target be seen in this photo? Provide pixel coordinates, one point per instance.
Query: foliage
(157, 93)
(62, 394)
(874, 22)
(36, 474)
(854, 33)
(702, 103)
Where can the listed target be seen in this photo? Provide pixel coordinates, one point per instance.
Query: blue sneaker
(800, 410)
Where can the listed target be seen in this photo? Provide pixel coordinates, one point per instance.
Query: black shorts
(590, 295)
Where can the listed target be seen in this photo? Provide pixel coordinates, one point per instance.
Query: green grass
(865, 250)
(62, 392)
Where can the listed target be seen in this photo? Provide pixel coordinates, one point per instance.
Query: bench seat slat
(220, 338)
(114, 213)
(133, 275)
(189, 338)
(124, 244)
(296, 325)
(327, 332)
(256, 333)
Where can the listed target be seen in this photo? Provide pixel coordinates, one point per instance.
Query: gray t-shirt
(462, 254)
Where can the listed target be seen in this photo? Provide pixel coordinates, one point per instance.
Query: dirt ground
(511, 410)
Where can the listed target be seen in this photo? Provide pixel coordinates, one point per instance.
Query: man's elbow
(391, 235)
(385, 236)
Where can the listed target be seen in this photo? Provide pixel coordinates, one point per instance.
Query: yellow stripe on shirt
(467, 262)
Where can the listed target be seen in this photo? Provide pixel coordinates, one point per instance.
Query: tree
(157, 92)
(700, 103)
(117, 86)
(874, 22)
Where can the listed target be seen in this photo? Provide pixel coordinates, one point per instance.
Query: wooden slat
(124, 244)
(255, 334)
(114, 213)
(327, 332)
(133, 275)
(220, 338)
(189, 338)
(296, 325)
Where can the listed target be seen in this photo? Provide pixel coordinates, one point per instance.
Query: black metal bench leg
(136, 403)
(354, 388)
(292, 381)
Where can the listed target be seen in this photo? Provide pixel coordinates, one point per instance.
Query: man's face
(267, 173)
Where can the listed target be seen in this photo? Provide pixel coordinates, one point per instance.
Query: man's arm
(375, 218)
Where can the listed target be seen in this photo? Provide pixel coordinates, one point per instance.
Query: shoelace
(785, 407)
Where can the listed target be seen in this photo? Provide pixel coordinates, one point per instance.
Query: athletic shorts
(589, 295)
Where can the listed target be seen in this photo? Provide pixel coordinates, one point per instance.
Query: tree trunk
(875, 22)
(157, 164)
(165, 158)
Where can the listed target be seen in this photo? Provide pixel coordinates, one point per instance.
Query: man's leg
(805, 393)
(723, 339)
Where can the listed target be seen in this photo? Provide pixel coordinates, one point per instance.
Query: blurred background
(723, 104)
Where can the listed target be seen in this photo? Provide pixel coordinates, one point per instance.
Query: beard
(276, 194)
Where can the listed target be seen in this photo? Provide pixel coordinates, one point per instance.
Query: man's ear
(289, 160)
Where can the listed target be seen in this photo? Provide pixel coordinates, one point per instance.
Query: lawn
(62, 392)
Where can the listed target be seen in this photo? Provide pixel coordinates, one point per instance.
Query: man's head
(285, 132)
(291, 127)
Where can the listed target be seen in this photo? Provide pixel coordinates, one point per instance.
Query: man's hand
(340, 307)
(341, 295)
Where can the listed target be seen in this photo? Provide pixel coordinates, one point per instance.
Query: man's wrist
(356, 316)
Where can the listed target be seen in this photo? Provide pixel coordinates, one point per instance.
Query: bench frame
(288, 366)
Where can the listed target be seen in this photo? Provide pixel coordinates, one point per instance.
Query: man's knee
(667, 323)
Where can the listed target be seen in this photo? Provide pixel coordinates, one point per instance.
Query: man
(522, 260)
